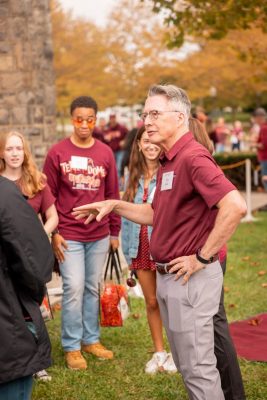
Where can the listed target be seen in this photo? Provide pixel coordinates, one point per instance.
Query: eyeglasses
(154, 114)
(79, 121)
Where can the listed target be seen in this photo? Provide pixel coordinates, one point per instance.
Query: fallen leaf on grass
(136, 316)
(232, 306)
(261, 273)
(264, 285)
(246, 258)
(254, 264)
(56, 307)
(254, 321)
(226, 289)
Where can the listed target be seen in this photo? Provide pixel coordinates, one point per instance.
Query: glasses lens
(90, 120)
(154, 114)
(79, 121)
(143, 116)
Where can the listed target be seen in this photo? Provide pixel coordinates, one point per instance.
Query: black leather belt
(164, 268)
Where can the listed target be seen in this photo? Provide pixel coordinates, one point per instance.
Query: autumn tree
(218, 65)
(80, 59)
(118, 63)
(115, 64)
(209, 19)
(137, 51)
(236, 64)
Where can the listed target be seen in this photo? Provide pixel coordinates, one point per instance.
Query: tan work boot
(98, 350)
(75, 360)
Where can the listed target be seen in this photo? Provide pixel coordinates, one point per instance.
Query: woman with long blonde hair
(17, 165)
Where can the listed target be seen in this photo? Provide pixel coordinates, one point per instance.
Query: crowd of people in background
(235, 137)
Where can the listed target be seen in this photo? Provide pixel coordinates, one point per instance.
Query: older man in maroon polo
(194, 212)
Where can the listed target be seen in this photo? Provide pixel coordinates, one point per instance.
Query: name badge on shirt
(79, 162)
(167, 179)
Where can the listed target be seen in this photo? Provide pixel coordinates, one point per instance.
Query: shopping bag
(46, 309)
(114, 305)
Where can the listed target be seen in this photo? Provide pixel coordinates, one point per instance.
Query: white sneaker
(42, 376)
(169, 365)
(156, 363)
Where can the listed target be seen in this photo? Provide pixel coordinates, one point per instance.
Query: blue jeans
(219, 148)
(19, 389)
(81, 274)
(264, 173)
(118, 157)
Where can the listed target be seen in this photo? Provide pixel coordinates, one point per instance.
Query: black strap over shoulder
(113, 263)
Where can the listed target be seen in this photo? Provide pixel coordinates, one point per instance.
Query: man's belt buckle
(165, 268)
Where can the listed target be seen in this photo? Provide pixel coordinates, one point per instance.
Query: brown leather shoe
(98, 350)
(75, 360)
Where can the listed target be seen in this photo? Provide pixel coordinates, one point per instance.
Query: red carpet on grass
(250, 337)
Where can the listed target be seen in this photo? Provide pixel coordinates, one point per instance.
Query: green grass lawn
(124, 378)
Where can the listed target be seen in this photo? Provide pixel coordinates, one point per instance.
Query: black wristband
(54, 232)
(203, 260)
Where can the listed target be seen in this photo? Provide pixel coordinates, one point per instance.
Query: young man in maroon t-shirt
(195, 211)
(81, 169)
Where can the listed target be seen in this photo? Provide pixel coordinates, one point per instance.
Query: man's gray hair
(175, 95)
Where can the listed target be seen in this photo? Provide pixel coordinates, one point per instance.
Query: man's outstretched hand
(94, 210)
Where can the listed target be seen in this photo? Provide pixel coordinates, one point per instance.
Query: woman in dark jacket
(26, 262)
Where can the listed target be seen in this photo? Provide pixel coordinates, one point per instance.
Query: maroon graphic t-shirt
(42, 200)
(79, 176)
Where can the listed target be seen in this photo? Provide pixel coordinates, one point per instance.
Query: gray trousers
(187, 313)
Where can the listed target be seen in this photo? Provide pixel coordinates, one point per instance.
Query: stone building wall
(27, 91)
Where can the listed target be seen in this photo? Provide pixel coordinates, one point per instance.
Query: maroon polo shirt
(189, 185)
